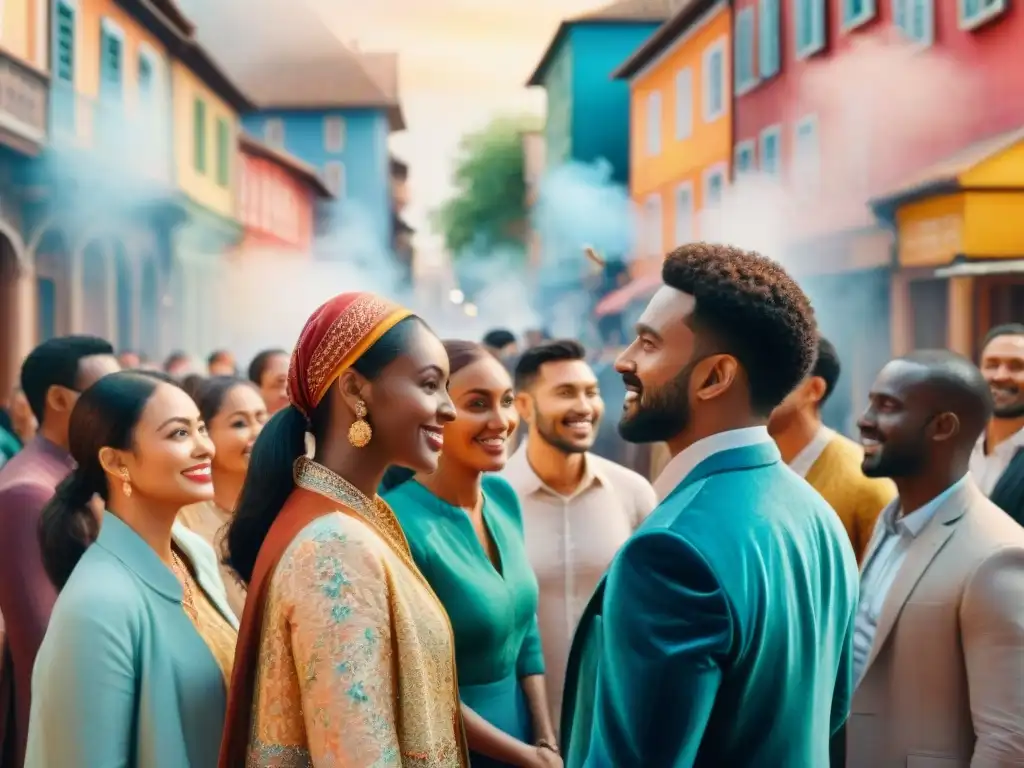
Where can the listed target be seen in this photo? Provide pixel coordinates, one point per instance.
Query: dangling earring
(126, 484)
(359, 433)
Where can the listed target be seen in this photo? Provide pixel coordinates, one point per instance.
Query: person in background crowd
(133, 669)
(939, 642)
(682, 657)
(178, 364)
(129, 359)
(827, 460)
(465, 531)
(578, 509)
(501, 343)
(345, 656)
(269, 372)
(536, 336)
(221, 363)
(234, 414)
(24, 422)
(52, 376)
(997, 462)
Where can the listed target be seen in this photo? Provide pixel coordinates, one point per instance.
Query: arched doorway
(53, 287)
(125, 295)
(10, 316)
(96, 280)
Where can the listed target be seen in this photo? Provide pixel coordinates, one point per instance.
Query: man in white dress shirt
(939, 631)
(578, 508)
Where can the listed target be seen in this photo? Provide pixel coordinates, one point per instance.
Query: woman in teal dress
(465, 531)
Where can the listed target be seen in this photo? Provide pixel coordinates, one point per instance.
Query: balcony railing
(22, 105)
(133, 136)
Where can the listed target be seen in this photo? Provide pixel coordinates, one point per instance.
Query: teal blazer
(122, 678)
(722, 634)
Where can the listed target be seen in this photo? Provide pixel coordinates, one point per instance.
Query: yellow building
(960, 247)
(680, 125)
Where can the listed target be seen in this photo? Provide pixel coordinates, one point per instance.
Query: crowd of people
(388, 549)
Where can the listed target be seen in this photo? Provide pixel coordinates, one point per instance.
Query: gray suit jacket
(944, 681)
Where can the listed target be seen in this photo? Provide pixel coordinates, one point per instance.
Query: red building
(278, 198)
(849, 101)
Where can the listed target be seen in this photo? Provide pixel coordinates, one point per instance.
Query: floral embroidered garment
(356, 656)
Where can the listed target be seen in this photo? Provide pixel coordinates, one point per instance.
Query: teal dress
(493, 610)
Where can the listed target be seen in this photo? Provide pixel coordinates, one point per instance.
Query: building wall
(211, 183)
(886, 106)
(681, 159)
(363, 160)
(23, 26)
(600, 105)
(558, 84)
(275, 207)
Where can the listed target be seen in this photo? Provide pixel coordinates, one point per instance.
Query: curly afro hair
(754, 310)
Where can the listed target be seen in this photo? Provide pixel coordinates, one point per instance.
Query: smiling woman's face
(235, 428)
(171, 454)
(485, 416)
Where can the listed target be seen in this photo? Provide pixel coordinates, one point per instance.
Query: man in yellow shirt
(826, 459)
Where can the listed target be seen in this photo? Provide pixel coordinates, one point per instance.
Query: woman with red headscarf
(345, 656)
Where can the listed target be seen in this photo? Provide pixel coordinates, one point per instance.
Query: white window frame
(850, 23)
(278, 124)
(150, 54)
(682, 238)
(776, 31)
(772, 131)
(684, 104)
(928, 6)
(654, 105)
(113, 29)
(337, 188)
(746, 15)
(744, 146)
(720, 170)
(969, 24)
(806, 177)
(71, 5)
(654, 225)
(718, 46)
(109, 26)
(335, 147)
(820, 29)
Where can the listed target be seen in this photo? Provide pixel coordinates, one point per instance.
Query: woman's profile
(134, 665)
(345, 656)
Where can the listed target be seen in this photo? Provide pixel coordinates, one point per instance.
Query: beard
(659, 414)
(893, 461)
(548, 431)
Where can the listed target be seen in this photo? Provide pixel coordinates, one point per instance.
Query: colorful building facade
(587, 115)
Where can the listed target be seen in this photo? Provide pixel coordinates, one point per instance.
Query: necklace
(186, 583)
(324, 480)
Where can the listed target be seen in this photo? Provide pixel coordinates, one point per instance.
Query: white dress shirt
(803, 461)
(882, 566)
(987, 468)
(686, 461)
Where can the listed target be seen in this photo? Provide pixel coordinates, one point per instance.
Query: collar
(686, 461)
(803, 461)
(519, 472)
(914, 522)
(41, 445)
(1009, 445)
(137, 556)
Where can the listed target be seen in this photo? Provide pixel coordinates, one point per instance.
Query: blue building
(588, 111)
(337, 116)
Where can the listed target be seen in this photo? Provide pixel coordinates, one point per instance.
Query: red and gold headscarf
(334, 337)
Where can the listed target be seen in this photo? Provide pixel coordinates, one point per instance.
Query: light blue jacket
(122, 679)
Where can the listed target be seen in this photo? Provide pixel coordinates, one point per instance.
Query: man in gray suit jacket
(939, 632)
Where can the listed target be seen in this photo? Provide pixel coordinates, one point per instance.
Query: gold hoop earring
(126, 484)
(360, 433)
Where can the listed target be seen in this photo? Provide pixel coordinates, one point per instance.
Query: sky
(462, 62)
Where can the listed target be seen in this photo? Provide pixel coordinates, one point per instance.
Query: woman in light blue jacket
(132, 670)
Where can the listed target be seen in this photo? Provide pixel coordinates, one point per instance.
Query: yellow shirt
(220, 637)
(857, 499)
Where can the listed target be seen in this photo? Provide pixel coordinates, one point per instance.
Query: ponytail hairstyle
(269, 481)
(105, 416)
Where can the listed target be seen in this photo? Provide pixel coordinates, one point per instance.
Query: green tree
(488, 208)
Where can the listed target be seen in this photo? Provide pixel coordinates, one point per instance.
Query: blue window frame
(743, 51)
(714, 81)
(974, 13)
(857, 12)
(743, 158)
(915, 19)
(771, 139)
(769, 46)
(111, 60)
(809, 20)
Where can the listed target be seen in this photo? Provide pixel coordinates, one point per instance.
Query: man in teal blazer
(722, 632)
